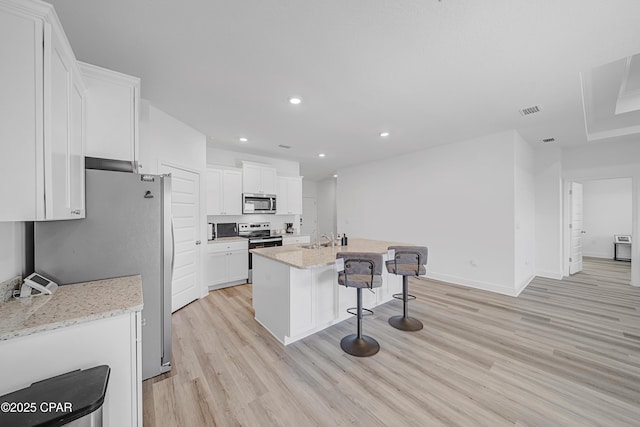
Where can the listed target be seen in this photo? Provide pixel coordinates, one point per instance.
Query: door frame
(202, 221)
(635, 201)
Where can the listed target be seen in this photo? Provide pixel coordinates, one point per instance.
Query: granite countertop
(70, 305)
(298, 257)
(227, 239)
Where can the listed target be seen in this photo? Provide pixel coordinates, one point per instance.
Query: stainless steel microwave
(258, 203)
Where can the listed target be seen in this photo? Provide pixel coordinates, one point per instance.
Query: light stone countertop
(298, 257)
(70, 305)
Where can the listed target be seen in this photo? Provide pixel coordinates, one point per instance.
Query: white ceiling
(430, 72)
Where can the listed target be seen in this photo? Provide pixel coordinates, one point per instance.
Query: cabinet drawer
(228, 246)
(298, 240)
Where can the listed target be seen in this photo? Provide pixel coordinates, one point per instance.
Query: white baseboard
(485, 286)
(598, 255)
(523, 284)
(557, 275)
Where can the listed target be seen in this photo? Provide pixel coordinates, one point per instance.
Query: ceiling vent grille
(284, 146)
(530, 110)
(548, 140)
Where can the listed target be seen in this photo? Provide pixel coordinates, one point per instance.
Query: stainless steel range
(259, 235)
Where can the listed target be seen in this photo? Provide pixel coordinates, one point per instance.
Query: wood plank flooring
(563, 353)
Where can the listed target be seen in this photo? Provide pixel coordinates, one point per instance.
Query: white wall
(524, 213)
(12, 250)
(548, 212)
(456, 199)
(607, 205)
(309, 188)
(327, 212)
(166, 139)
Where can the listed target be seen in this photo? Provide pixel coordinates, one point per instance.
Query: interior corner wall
(548, 211)
(524, 213)
(163, 138)
(607, 205)
(456, 199)
(326, 202)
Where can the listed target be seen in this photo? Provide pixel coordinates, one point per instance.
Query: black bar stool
(407, 261)
(361, 270)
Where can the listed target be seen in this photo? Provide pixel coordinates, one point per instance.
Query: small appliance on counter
(227, 229)
(289, 227)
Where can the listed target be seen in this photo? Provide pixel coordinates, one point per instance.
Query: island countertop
(70, 305)
(302, 258)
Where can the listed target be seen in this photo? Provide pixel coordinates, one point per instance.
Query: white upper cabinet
(289, 200)
(41, 124)
(224, 191)
(112, 110)
(259, 179)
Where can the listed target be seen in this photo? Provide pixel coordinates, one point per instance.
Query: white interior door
(309, 216)
(185, 209)
(576, 226)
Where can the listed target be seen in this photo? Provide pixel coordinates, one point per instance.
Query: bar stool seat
(361, 270)
(407, 261)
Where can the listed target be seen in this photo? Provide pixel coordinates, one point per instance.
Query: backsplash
(277, 221)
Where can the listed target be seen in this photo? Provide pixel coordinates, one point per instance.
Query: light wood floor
(563, 353)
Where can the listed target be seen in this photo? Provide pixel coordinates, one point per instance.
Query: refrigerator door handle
(169, 258)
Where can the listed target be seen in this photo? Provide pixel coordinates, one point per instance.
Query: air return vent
(530, 110)
(548, 140)
(284, 146)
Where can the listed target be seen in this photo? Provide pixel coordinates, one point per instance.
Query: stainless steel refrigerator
(127, 231)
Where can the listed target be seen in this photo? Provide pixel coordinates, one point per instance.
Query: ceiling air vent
(530, 110)
(548, 140)
(284, 146)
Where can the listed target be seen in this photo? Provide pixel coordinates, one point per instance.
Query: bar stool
(361, 270)
(407, 261)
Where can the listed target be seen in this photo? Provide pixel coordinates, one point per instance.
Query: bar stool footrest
(354, 311)
(399, 296)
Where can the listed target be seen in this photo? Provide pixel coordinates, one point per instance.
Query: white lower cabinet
(113, 341)
(227, 264)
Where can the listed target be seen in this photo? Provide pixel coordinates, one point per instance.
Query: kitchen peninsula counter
(296, 292)
(70, 305)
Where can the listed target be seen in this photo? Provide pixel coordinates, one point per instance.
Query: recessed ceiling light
(384, 134)
(243, 139)
(295, 100)
(335, 176)
(321, 155)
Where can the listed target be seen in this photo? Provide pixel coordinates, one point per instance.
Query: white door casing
(185, 207)
(576, 228)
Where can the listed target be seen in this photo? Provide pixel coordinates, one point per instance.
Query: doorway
(597, 210)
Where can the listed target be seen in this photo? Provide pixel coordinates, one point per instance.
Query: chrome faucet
(332, 239)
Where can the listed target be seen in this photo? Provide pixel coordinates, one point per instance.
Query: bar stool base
(405, 323)
(361, 347)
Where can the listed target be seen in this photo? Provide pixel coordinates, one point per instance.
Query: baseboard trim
(485, 286)
(557, 275)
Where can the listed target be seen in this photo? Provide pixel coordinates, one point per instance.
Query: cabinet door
(216, 268)
(232, 192)
(76, 160)
(269, 181)
(294, 195)
(282, 196)
(251, 176)
(214, 191)
(21, 132)
(238, 263)
(112, 113)
(56, 116)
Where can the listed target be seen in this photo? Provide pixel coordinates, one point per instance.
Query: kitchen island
(296, 291)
